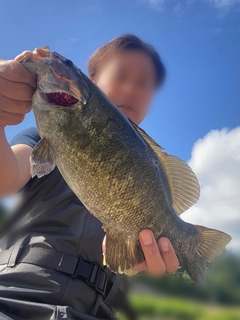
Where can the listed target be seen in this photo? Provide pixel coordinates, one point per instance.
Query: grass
(151, 307)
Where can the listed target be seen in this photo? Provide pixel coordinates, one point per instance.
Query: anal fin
(122, 253)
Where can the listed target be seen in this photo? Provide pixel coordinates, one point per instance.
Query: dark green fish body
(118, 172)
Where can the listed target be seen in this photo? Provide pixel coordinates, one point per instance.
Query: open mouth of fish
(62, 99)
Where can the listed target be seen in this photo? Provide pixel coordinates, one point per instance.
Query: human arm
(16, 90)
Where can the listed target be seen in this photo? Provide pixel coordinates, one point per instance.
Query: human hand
(160, 256)
(17, 86)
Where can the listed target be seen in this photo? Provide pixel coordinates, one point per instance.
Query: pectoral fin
(42, 159)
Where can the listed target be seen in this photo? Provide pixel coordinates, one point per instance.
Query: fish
(115, 168)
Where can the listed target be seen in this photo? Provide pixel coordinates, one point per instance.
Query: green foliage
(164, 308)
(174, 308)
(224, 279)
(223, 282)
(3, 213)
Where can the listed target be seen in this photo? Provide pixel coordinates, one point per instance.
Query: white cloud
(224, 4)
(73, 39)
(217, 30)
(216, 162)
(178, 10)
(156, 4)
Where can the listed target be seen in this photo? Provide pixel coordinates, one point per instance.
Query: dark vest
(50, 216)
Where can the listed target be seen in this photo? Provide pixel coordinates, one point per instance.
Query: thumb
(104, 245)
(22, 55)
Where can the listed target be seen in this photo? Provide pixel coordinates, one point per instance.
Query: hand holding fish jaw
(17, 86)
(160, 256)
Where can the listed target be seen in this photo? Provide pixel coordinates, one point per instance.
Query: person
(53, 247)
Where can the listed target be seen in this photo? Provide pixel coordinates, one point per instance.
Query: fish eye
(67, 61)
(58, 55)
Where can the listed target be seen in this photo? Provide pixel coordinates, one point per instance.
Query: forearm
(8, 167)
(17, 86)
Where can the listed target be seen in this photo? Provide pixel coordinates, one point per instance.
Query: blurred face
(128, 79)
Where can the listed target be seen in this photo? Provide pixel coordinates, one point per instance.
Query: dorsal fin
(183, 183)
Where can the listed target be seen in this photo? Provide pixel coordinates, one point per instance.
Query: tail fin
(211, 244)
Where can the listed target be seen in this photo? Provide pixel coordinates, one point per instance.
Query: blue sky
(199, 42)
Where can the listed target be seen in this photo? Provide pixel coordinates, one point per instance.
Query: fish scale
(117, 171)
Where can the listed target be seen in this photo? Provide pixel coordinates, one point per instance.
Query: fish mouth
(61, 99)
